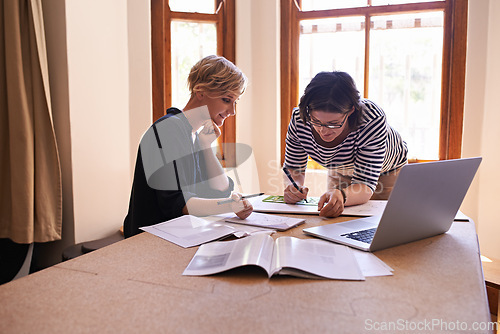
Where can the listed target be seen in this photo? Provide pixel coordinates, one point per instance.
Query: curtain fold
(30, 174)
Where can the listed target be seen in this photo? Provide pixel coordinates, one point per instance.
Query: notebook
(423, 203)
(276, 204)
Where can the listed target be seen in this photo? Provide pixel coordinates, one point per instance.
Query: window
(183, 32)
(407, 56)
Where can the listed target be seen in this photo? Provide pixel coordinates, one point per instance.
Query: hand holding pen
(239, 204)
(293, 192)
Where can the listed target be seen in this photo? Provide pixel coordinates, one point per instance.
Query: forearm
(206, 206)
(357, 193)
(217, 178)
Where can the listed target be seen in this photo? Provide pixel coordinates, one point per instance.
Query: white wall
(257, 55)
(482, 119)
(103, 124)
(474, 95)
(140, 75)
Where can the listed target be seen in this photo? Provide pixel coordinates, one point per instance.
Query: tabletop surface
(137, 285)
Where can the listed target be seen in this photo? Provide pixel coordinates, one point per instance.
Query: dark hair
(333, 92)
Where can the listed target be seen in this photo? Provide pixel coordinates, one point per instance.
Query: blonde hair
(216, 76)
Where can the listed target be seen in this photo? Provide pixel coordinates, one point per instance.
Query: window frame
(453, 70)
(161, 18)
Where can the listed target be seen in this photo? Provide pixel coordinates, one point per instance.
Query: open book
(285, 256)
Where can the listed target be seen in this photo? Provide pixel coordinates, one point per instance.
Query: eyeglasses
(324, 125)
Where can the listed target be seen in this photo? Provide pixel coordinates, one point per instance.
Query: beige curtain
(30, 175)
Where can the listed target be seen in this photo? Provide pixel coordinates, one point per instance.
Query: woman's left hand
(331, 204)
(208, 133)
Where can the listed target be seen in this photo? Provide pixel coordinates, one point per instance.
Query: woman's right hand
(292, 195)
(208, 134)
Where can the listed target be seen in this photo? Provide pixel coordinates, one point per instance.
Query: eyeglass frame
(323, 125)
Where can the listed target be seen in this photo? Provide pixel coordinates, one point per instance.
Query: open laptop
(423, 203)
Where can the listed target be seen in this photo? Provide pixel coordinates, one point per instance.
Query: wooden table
(136, 286)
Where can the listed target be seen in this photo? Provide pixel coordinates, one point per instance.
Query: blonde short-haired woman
(191, 180)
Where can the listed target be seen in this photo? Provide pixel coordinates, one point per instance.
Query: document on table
(241, 230)
(276, 204)
(188, 231)
(276, 222)
(370, 208)
(371, 265)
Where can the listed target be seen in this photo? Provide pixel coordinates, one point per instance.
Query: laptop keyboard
(363, 235)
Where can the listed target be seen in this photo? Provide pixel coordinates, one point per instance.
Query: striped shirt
(372, 149)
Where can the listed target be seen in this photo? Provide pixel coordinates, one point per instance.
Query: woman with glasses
(347, 135)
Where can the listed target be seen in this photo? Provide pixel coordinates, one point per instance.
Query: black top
(169, 170)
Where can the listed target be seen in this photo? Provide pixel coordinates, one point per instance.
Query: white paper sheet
(371, 265)
(370, 208)
(277, 222)
(240, 229)
(188, 231)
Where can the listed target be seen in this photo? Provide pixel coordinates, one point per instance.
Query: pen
(242, 197)
(287, 173)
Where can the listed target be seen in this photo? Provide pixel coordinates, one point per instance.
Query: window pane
(191, 41)
(331, 4)
(331, 44)
(405, 77)
(192, 6)
(397, 2)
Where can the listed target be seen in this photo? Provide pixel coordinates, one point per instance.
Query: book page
(220, 256)
(318, 257)
(189, 231)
